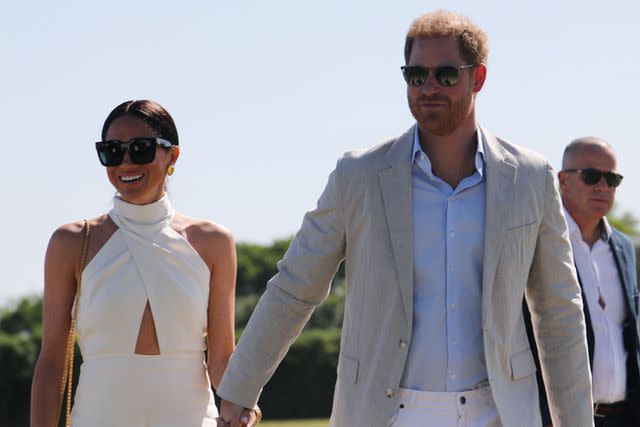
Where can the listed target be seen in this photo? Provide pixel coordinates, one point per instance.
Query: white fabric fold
(145, 259)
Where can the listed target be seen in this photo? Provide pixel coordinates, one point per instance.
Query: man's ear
(479, 77)
(562, 179)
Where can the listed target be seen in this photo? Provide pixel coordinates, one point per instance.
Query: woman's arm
(60, 277)
(221, 257)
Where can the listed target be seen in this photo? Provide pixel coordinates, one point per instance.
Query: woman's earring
(171, 170)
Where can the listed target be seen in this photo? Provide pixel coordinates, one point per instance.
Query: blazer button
(389, 392)
(403, 344)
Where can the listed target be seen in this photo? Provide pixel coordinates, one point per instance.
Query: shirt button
(452, 234)
(453, 306)
(463, 400)
(451, 268)
(389, 392)
(453, 377)
(403, 344)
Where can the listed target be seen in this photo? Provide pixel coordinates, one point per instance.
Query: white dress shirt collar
(574, 230)
(479, 159)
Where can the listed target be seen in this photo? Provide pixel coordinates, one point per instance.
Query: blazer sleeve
(302, 282)
(554, 299)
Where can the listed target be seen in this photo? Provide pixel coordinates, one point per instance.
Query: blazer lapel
(500, 189)
(587, 318)
(623, 272)
(396, 184)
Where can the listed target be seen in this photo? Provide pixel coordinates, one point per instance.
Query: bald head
(586, 201)
(584, 146)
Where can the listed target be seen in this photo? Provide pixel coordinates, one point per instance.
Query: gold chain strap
(67, 375)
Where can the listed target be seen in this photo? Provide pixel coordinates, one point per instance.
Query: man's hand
(232, 415)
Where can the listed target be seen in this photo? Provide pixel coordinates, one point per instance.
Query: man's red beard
(441, 121)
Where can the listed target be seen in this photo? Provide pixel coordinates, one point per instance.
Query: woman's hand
(232, 415)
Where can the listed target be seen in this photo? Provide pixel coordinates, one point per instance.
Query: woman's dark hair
(152, 113)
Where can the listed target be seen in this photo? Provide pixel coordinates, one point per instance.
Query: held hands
(232, 415)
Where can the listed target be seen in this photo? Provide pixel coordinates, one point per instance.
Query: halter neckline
(142, 218)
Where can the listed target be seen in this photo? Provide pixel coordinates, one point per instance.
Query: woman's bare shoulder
(202, 229)
(67, 235)
(210, 239)
(68, 238)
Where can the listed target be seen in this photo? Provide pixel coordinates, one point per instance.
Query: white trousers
(137, 390)
(473, 408)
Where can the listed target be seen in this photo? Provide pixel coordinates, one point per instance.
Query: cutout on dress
(147, 342)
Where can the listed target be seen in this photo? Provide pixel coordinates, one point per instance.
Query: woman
(155, 283)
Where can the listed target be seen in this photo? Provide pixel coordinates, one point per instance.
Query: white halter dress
(144, 260)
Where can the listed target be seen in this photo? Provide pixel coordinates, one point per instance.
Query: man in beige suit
(443, 231)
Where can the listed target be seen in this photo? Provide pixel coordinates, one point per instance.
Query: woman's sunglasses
(591, 176)
(141, 150)
(446, 75)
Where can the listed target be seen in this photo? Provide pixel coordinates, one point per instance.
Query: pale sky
(268, 95)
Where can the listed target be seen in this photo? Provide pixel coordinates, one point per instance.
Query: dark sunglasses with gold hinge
(141, 150)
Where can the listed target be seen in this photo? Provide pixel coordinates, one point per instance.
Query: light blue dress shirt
(446, 352)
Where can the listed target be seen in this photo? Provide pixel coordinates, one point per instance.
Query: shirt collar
(574, 230)
(479, 158)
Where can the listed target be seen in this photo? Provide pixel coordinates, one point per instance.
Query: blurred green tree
(20, 337)
(623, 221)
(257, 264)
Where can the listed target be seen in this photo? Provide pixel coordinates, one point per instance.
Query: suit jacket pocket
(522, 364)
(524, 224)
(348, 369)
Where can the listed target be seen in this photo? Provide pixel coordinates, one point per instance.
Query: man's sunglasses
(591, 176)
(141, 150)
(446, 75)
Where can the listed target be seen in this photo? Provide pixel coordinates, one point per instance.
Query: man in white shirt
(605, 261)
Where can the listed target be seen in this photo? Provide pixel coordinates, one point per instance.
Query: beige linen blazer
(364, 216)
